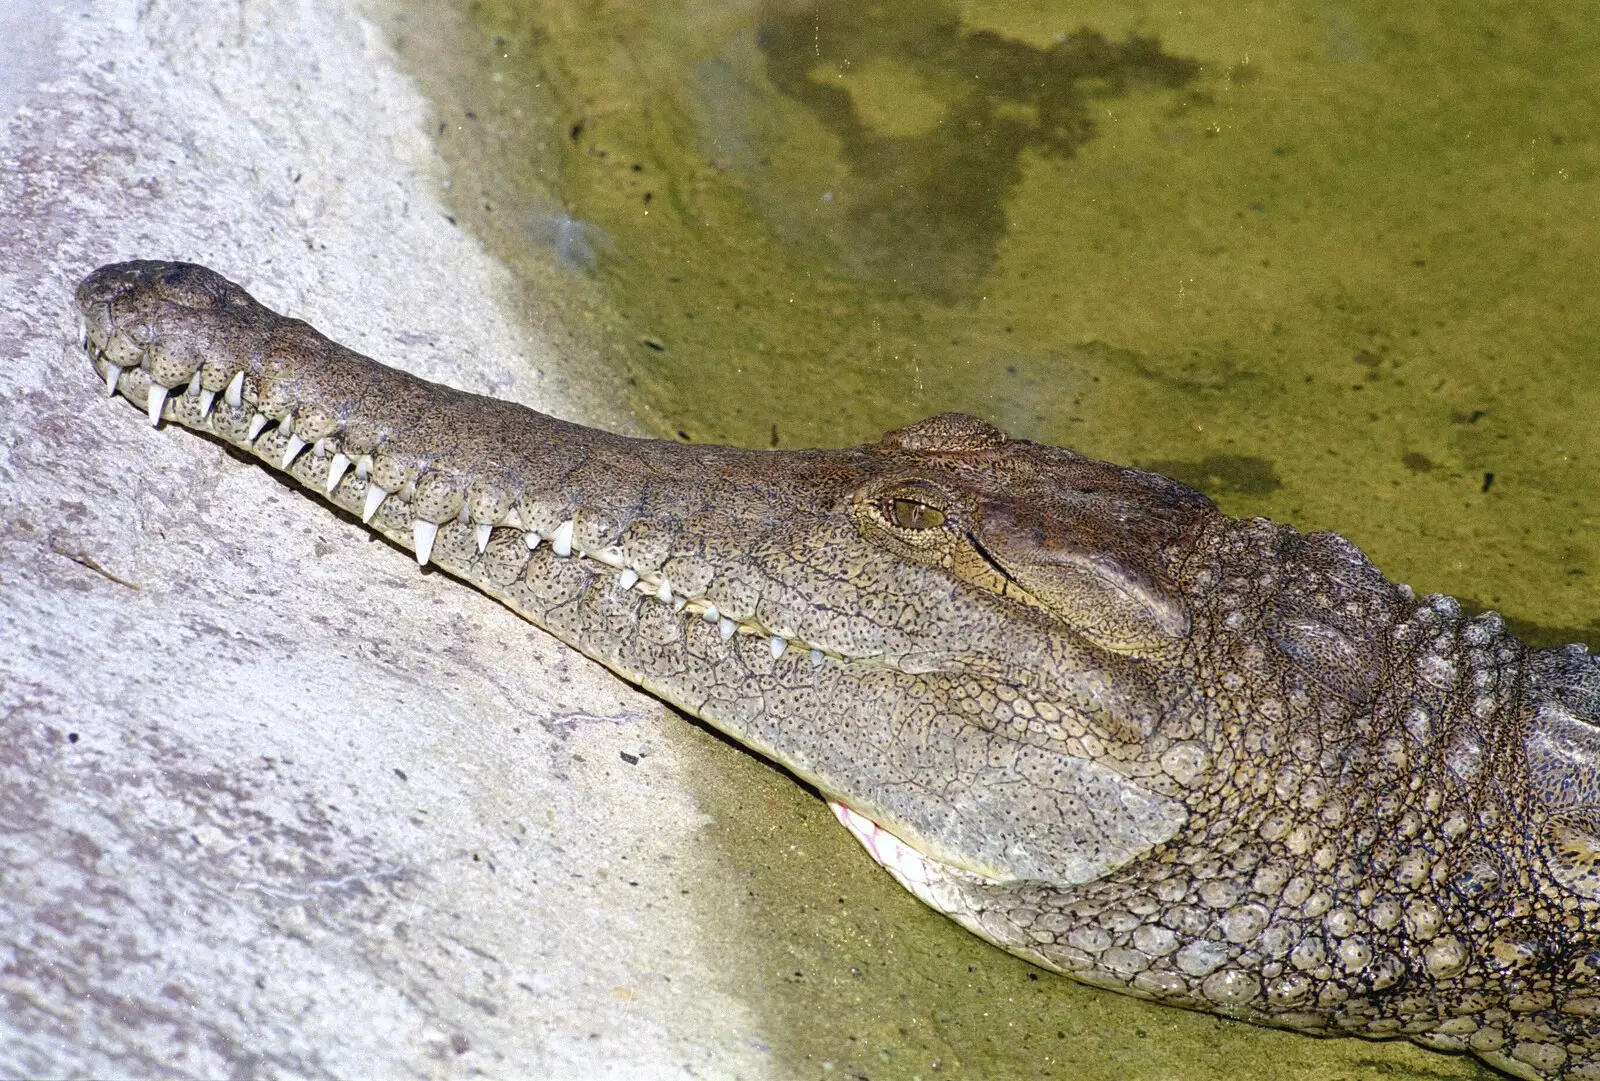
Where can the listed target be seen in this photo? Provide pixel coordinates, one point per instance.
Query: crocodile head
(987, 630)
(1209, 761)
(961, 637)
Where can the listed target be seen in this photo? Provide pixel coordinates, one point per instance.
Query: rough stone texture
(292, 815)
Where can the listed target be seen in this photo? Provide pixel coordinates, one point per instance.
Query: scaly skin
(1209, 761)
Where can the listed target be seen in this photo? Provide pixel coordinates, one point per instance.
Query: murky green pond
(1330, 262)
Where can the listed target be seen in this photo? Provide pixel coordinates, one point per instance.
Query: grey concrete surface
(272, 802)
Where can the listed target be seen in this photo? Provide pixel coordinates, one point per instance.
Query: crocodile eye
(911, 517)
(910, 514)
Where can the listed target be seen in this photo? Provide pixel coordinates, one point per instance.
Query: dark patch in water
(1222, 474)
(928, 210)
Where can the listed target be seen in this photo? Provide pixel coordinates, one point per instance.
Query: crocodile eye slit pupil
(909, 514)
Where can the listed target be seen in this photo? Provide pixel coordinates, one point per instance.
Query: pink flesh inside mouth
(909, 866)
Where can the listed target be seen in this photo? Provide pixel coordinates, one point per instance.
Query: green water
(1330, 262)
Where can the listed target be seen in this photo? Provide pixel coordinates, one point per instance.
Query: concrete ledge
(275, 803)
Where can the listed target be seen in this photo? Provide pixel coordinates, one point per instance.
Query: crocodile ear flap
(1114, 608)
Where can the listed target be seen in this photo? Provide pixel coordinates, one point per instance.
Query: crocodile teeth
(363, 466)
(532, 538)
(777, 645)
(464, 515)
(375, 496)
(234, 395)
(290, 449)
(422, 534)
(561, 539)
(726, 627)
(336, 470)
(257, 422)
(816, 658)
(320, 448)
(158, 398)
(680, 603)
(664, 592)
(628, 578)
(207, 399)
(194, 383)
(484, 529)
(113, 373)
(711, 615)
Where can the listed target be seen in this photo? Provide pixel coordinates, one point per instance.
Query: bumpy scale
(1208, 761)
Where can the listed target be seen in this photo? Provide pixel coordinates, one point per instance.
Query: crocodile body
(1208, 761)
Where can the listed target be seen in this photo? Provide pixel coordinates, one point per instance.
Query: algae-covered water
(1330, 262)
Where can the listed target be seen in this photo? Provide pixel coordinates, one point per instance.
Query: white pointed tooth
(257, 423)
(113, 373)
(234, 394)
(532, 538)
(463, 516)
(336, 470)
(158, 398)
(294, 446)
(483, 531)
(194, 383)
(207, 399)
(726, 627)
(561, 539)
(363, 466)
(628, 578)
(375, 496)
(680, 603)
(422, 534)
(320, 447)
(816, 658)
(777, 645)
(512, 520)
(711, 615)
(664, 592)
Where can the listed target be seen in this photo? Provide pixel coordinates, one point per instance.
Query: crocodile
(1213, 762)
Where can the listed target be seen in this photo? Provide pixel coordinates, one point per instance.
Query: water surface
(1329, 262)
